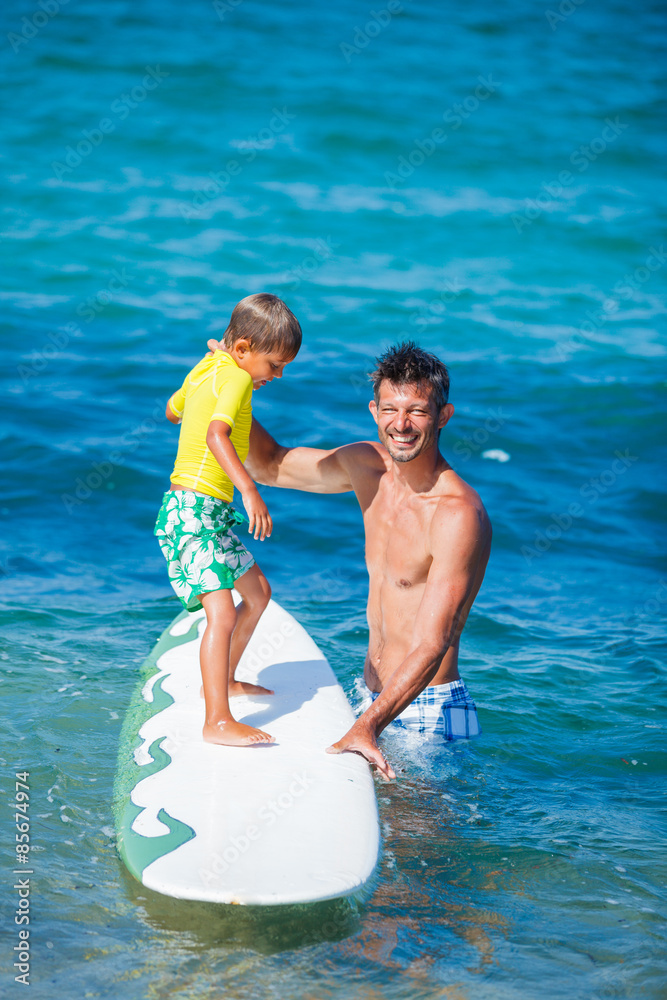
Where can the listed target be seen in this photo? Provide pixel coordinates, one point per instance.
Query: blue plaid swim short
(446, 710)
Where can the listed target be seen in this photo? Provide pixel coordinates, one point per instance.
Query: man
(428, 539)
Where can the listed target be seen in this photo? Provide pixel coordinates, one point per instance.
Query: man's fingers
(386, 770)
(212, 344)
(383, 766)
(372, 755)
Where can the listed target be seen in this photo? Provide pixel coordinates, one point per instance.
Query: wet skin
(428, 540)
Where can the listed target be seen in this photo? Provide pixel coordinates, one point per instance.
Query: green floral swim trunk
(202, 552)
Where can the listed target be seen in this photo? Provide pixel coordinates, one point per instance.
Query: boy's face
(262, 368)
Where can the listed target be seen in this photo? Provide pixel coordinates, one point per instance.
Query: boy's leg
(255, 590)
(220, 725)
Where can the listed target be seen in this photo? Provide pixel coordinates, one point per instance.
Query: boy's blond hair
(267, 324)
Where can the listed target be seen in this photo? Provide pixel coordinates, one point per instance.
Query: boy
(205, 557)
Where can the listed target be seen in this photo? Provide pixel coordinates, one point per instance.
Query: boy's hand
(213, 345)
(258, 514)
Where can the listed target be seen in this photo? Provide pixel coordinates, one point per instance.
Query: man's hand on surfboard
(361, 739)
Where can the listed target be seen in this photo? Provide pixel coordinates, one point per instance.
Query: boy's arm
(176, 404)
(315, 470)
(219, 441)
(172, 417)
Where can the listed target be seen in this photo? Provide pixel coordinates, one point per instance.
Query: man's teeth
(403, 439)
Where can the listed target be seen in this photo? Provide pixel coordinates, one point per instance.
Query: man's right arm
(315, 470)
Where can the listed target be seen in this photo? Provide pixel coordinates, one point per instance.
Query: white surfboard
(284, 823)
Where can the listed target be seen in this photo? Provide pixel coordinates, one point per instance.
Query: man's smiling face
(408, 419)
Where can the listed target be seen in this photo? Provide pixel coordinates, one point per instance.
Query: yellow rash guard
(215, 389)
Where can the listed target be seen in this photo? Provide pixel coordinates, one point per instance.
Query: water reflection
(265, 929)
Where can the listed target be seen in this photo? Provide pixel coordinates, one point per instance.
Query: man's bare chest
(397, 542)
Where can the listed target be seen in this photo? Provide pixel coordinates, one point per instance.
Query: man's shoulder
(363, 457)
(459, 511)
(454, 490)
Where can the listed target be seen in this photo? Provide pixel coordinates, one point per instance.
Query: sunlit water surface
(529, 863)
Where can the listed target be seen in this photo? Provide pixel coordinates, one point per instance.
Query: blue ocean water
(486, 179)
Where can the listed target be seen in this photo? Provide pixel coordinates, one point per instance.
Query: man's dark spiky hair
(407, 364)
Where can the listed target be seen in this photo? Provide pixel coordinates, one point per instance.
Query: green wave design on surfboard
(137, 850)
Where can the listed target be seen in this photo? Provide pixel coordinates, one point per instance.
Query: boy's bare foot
(234, 734)
(241, 687)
